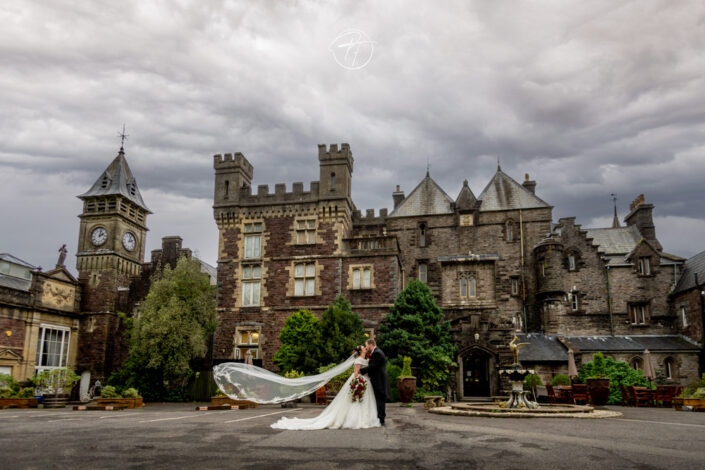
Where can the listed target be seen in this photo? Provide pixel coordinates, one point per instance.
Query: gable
(503, 193)
(426, 199)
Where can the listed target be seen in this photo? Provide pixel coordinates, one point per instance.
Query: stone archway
(477, 373)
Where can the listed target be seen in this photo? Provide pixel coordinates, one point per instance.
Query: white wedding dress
(342, 412)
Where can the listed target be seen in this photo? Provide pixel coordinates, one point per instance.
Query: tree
(341, 331)
(172, 326)
(414, 327)
(300, 340)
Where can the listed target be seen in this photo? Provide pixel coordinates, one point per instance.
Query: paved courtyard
(176, 436)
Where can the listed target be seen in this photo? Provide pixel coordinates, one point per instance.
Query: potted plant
(532, 381)
(406, 383)
(692, 397)
(55, 386)
(13, 395)
(129, 397)
(598, 384)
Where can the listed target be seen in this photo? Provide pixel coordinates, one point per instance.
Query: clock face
(99, 236)
(128, 241)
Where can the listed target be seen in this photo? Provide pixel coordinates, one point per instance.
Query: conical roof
(426, 199)
(117, 179)
(466, 200)
(503, 193)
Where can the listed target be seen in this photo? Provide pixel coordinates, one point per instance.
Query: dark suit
(377, 371)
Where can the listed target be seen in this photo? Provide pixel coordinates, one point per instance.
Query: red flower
(367, 356)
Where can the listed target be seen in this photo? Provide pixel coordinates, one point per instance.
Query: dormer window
(133, 189)
(644, 266)
(104, 182)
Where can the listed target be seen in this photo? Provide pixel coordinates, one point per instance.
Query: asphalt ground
(176, 436)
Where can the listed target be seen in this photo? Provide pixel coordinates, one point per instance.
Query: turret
(336, 170)
(232, 174)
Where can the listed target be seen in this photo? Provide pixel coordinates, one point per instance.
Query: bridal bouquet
(357, 388)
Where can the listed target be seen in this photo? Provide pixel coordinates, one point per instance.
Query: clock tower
(111, 237)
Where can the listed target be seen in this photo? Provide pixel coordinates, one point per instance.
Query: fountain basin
(491, 410)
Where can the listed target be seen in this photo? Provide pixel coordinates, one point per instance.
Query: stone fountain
(516, 373)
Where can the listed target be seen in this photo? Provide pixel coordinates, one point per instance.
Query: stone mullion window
(304, 279)
(247, 340)
(306, 232)
(644, 267)
(253, 240)
(468, 286)
(638, 313)
(423, 272)
(362, 277)
(251, 284)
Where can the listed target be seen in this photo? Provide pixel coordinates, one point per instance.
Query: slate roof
(696, 264)
(636, 343)
(615, 241)
(542, 348)
(13, 259)
(117, 179)
(426, 199)
(466, 200)
(503, 193)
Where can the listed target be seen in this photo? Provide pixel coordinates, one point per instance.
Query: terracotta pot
(406, 387)
(599, 391)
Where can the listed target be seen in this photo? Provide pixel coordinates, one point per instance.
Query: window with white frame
(304, 279)
(645, 265)
(247, 339)
(362, 277)
(253, 240)
(52, 347)
(306, 232)
(423, 272)
(684, 316)
(251, 282)
(638, 313)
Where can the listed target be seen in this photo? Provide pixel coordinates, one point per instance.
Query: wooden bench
(433, 401)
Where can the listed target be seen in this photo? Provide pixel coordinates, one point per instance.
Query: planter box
(218, 401)
(129, 402)
(18, 403)
(698, 404)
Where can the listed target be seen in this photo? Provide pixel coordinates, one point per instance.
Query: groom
(377, 371)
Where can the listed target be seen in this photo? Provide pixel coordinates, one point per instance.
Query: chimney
(398, 196)
(641, 217)
(529, 184)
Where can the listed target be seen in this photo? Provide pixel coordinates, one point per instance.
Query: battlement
(369, 218)
(232, 161)
(333, 152)
(280, 194)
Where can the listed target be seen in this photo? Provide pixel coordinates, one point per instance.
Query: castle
(496, 263)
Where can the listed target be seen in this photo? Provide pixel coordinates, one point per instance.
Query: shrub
(56, 381)
(25, 392)
(599, 368)
(6, 392)
(696, 389)
(560, 379)
(299, 337)
(8, 381)
(422, 392)
(131, 393)
(393, 372)
(109, 392)
(406, 369)
(336, 382)
(619, 373)
(293, 374)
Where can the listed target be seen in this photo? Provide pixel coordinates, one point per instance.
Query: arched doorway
(476, 369)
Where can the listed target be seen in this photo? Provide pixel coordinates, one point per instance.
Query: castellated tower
(336, 170)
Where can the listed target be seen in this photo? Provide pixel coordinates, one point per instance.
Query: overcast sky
(589, 98)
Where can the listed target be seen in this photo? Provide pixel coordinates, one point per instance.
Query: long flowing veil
(247, 382)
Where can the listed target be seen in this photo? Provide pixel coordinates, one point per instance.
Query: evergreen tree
(173, 326)
(300, 340)
(341, 331)
(414, 327)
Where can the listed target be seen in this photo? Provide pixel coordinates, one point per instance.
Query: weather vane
(122, 136)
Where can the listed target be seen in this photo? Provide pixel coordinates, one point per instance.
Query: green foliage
(560, 380)
(336, 382)
(10, 388)
(6, 392)
(598, 368)
(130, 393)
(531, 381)
(393, 372)
(293, 374)
(173, 326)
(300, 338)
(421, 393)
(695, 390)
(406, 368)
(109, 392)
(25, 392)
(340, 331)
(56, 381)
(618, 372)
(8, 381)
(414, 327)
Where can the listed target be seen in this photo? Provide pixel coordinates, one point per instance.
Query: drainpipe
(523, 283)
(702, 322)
(609, 301)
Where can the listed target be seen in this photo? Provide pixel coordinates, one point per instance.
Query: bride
(346, 411)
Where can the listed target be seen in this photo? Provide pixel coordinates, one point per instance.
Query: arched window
(669, 367)
(571, 262)
(509, 231)
(472, 287)
(332, 181)
(636, 363)
(463, 287)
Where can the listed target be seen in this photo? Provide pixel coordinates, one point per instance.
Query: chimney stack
(398, 196)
